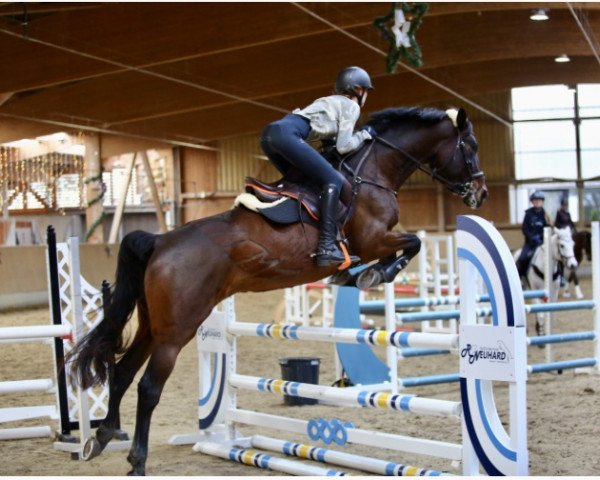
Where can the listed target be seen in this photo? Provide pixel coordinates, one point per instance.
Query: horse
(562, 257)
(583, 244)
(176, 278)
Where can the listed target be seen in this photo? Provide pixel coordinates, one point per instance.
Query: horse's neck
(555, 253)
(397, 165)
(395, 172)
(540, 253)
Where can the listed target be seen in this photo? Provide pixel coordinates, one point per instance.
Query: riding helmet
(537, 195)
(350, 78)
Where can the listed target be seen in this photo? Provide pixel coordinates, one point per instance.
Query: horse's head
(564, 247)
(456, 162)
(439, 143)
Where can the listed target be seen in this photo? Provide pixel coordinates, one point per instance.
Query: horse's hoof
(342, 279)
(368, 278)
(91, 449)
(136, 473)
(566, 295)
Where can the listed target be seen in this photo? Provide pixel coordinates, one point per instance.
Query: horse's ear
(461, 119)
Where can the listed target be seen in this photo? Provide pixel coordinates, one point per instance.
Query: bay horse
(583, 244)
(175, 279)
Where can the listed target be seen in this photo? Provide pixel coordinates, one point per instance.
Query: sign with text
(211, 335)
(488, 352)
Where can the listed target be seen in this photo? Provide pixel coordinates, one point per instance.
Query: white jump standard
(75, 307)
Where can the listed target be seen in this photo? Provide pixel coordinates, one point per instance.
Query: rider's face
(538, 203)
(364, 92)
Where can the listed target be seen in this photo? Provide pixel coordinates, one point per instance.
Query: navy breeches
(525, 258)
(284, 142)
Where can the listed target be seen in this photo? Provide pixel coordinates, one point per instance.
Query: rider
(335, 116)
(533, 228)
(563, 217)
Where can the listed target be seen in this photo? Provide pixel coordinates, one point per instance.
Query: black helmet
(564, 201)
(537, 195)
(350, 78)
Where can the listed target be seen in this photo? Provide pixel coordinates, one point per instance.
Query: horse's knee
(414, 246)
(417, 244)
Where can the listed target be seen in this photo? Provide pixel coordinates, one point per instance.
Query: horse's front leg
(573, 278)
(386, 269)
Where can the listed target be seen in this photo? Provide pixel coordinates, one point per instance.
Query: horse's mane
(410, 116)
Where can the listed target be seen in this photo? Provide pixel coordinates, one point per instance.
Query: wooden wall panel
(418, 208)
(495, 209)
(242, 157)
(194, 209)
(495, 139)
(198, 171)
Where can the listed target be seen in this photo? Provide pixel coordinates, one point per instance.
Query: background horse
(562, 257)
(583, 244)
(175, 279)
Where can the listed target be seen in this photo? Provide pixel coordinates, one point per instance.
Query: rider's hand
(370, 130)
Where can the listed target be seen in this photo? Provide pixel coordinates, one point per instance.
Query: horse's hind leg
(160, 366)
(120, 379)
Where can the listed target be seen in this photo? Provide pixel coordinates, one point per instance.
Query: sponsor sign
(488, 352)
(211, 335)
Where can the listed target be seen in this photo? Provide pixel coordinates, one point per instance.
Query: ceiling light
(563, 58)
(539, 14)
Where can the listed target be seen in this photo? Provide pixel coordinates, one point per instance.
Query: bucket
(303, 370)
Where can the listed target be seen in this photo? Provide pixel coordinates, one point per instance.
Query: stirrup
(332, 255)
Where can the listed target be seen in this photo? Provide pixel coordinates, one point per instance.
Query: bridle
(561, 256)
(460, 189)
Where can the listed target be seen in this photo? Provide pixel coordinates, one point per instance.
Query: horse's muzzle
(477, 194)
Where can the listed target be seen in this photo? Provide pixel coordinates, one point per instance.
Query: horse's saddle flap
(270, 192)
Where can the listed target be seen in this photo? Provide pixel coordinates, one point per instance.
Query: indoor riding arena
(245, 239)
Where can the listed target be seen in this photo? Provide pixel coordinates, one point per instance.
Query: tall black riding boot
(328, 253)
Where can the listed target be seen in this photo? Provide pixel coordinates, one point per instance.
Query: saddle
(288, 200)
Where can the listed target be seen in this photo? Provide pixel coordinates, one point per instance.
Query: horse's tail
(95, 353)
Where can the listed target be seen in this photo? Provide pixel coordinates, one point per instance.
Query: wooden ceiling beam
(347, 18)
(204, 63)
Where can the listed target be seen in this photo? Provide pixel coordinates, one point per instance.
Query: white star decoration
(400, 29)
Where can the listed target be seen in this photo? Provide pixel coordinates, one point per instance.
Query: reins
(357, 180)
(460, 189)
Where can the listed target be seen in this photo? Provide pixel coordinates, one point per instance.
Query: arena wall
(23, 280)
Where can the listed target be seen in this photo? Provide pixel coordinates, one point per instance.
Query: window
(545, 150)
(545, 144)
(533, 103)
(590, 148)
